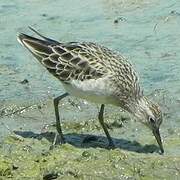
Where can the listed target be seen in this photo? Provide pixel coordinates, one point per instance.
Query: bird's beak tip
(158, 139)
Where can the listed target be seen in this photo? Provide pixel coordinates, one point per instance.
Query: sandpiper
(95, 73)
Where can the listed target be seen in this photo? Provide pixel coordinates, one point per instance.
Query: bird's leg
(101, 120)
(58, 123)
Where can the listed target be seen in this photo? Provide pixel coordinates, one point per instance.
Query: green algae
(70, 162)
(26, 154)
(5, 167)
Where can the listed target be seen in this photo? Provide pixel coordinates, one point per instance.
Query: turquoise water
(147, 33)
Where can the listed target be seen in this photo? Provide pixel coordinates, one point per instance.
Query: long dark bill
(158, 139)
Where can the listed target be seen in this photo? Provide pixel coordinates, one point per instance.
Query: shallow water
(147, 32)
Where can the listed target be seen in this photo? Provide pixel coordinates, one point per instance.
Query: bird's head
(150, 115)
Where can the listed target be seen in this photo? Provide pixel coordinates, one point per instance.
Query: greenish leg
(58, 123)
(101, 120)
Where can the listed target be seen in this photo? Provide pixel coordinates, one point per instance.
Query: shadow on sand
(87, 141)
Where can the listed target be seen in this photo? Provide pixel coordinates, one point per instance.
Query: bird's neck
(138, 107)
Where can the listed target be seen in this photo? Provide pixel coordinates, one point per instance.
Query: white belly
(98, 91)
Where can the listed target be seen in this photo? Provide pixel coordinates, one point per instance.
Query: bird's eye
(151, 120)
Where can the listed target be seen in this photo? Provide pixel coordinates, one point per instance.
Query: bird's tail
(40, 48)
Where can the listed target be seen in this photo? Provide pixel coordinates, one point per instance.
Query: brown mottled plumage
(96, 73)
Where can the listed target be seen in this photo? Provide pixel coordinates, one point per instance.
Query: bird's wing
(79, 61)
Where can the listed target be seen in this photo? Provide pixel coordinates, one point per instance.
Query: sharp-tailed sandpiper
(95, 73)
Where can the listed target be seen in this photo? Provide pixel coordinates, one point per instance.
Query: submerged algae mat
(23, 160)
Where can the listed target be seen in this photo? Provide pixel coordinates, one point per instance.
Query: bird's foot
(54, 144)
(111, 145)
